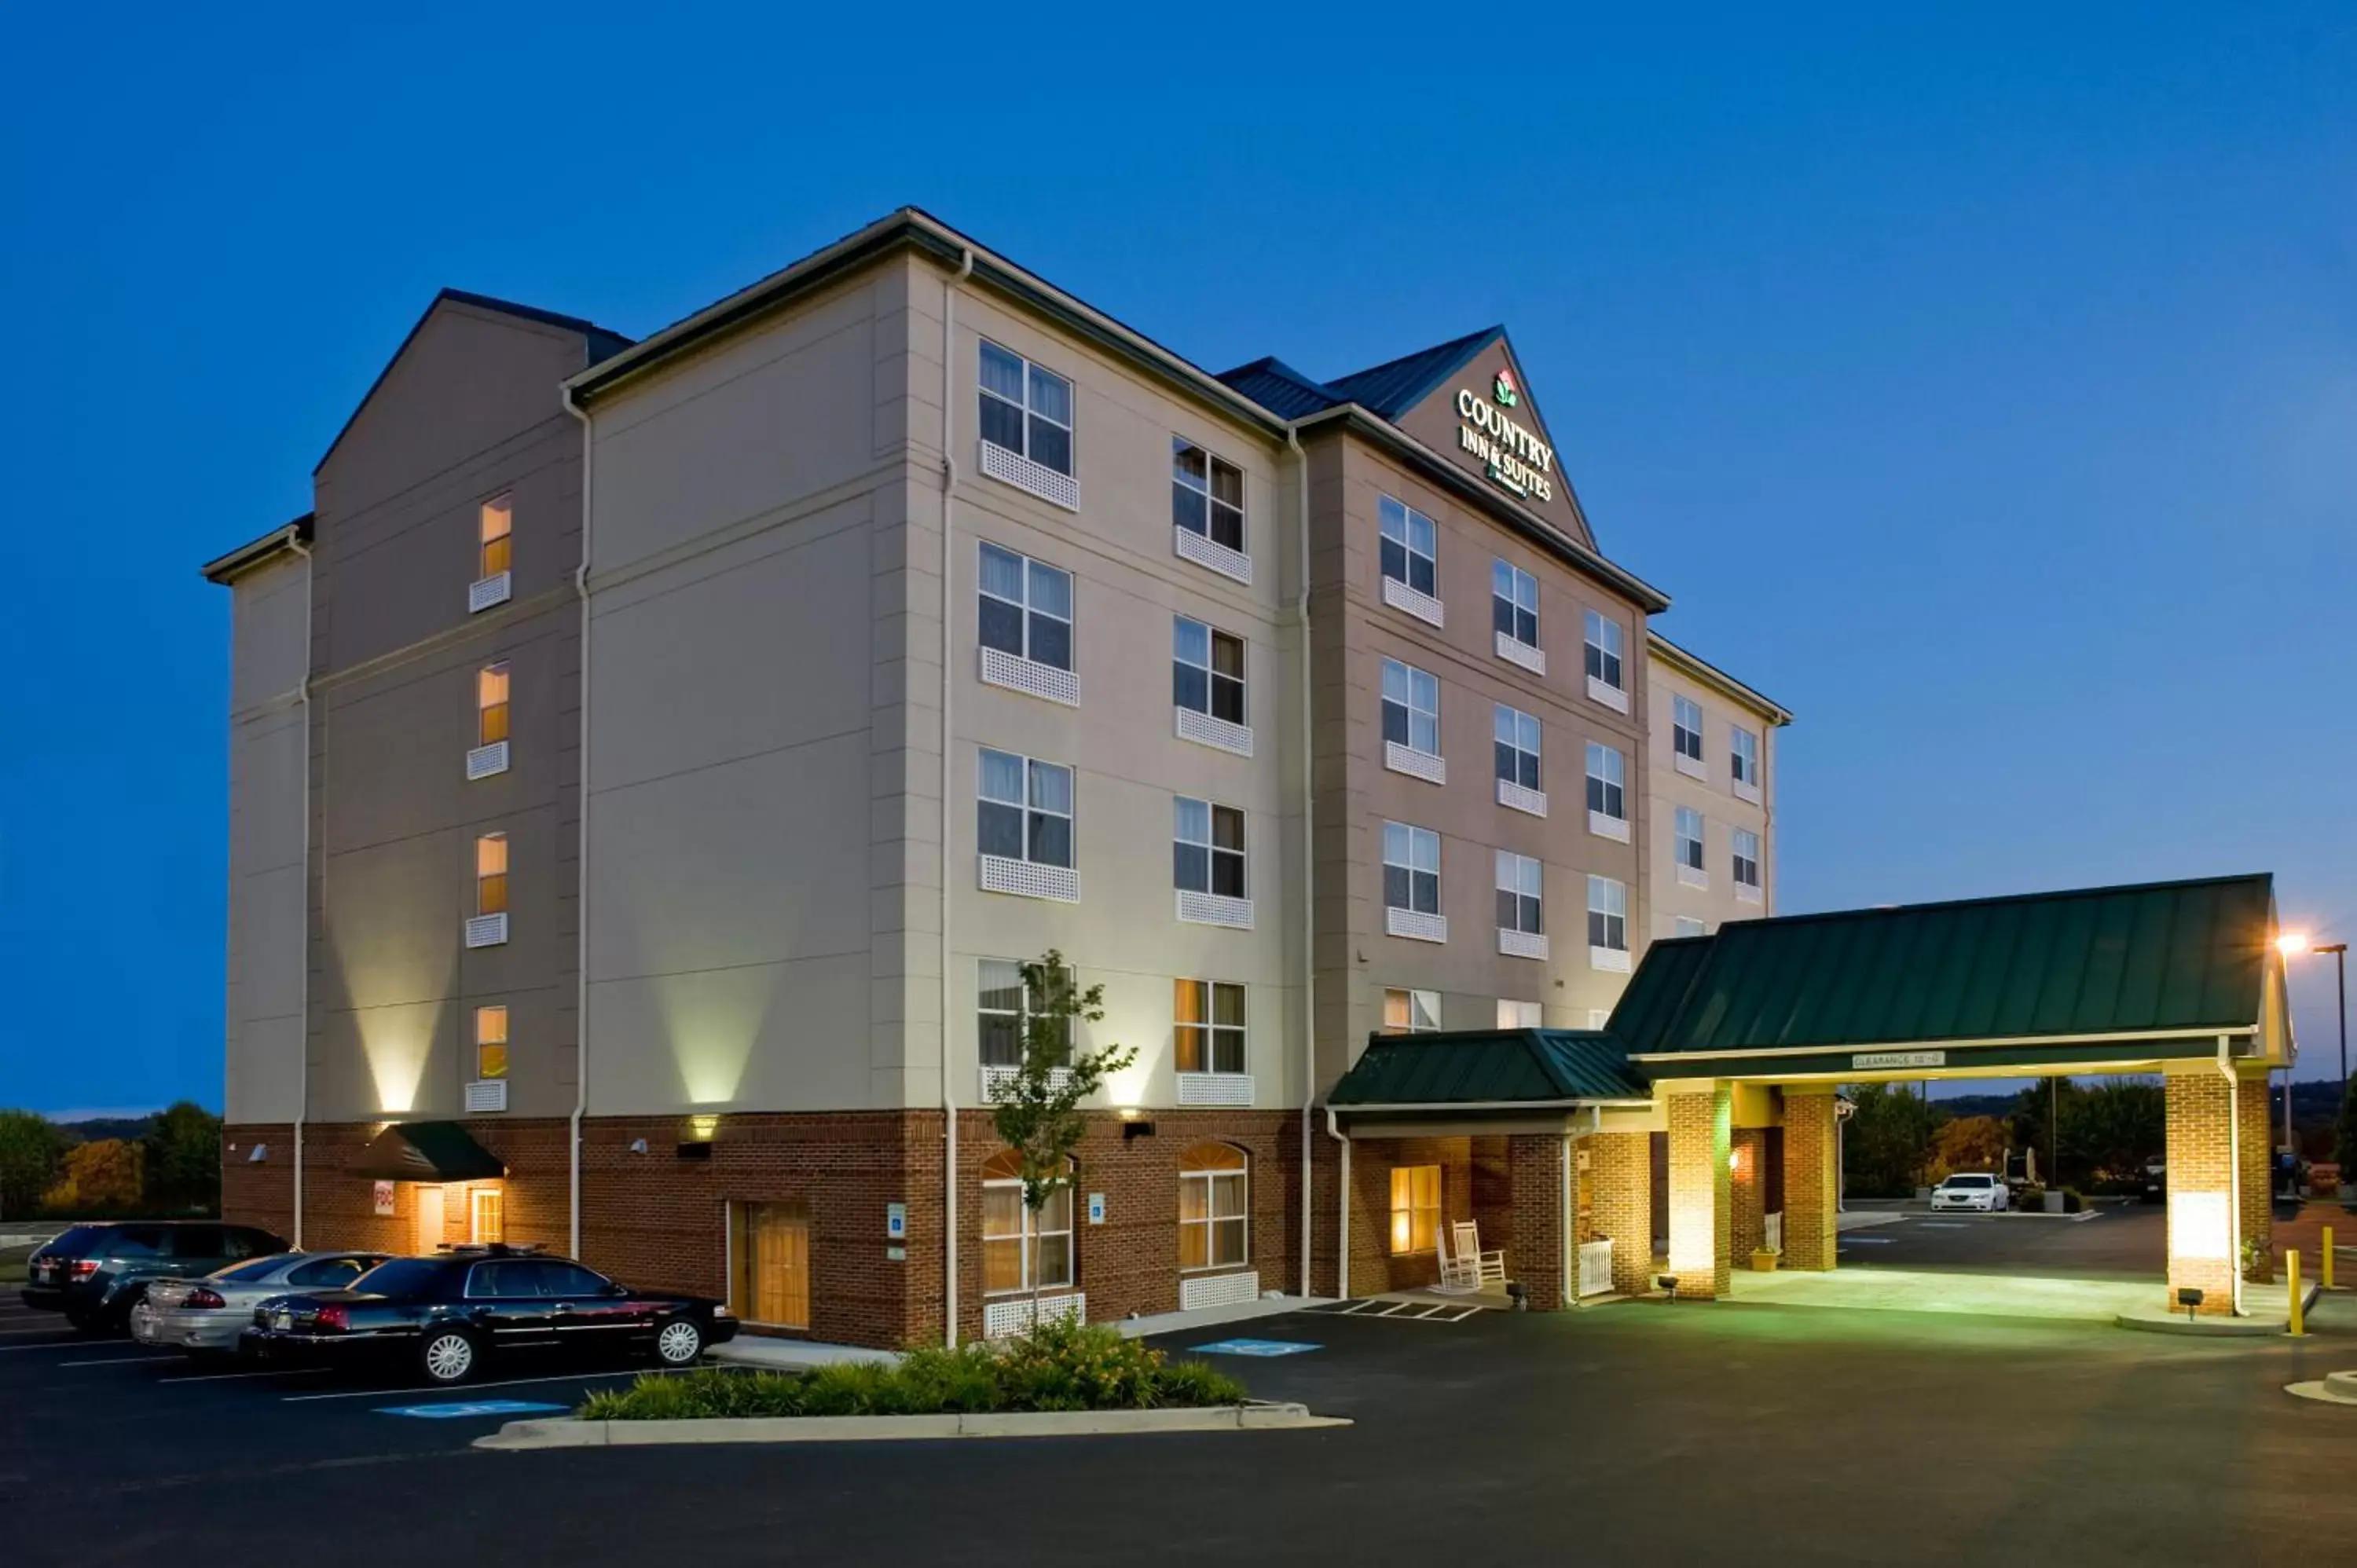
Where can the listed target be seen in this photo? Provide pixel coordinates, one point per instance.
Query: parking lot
(2122, 1239)
(1637, 1431)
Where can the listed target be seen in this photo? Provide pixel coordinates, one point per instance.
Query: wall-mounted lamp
(1133, 1128)
(638, 1145)
(702, 1128)
(259, 1153)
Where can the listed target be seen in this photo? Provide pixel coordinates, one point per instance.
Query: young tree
(1036, 1112)
(31, 1147)
(183, 1154)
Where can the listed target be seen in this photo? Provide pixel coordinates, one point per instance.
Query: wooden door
(776, 1267)
(429, 1218)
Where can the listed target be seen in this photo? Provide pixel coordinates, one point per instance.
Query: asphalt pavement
(1639, 1432)
(2124, 1239)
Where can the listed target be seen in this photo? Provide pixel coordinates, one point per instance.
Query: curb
(2334, 1387)
(2217, 1328)
(571, 1434)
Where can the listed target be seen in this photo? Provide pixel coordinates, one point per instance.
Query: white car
(1973, 1190)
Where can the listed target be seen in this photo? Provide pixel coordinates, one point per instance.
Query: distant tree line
(168, 1166)
(2085, 1136)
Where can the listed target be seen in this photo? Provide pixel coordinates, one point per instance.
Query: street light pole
(2339, 951)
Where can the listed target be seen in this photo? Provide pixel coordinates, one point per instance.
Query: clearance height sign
(1518, 462)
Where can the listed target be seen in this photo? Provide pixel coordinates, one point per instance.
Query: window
(1027, 608)
(495, 523)
(1515, 604)
(1747, 858)
(1608, 914)
(1520, 885)
(1208, 856)
(1411, 868)
(1603, 638)
(1689, 831)
(1027, 810)
(1415, 1208)
(1026, 410)
(1207, 1025)
(1411, 1011)
(1411, 707)
(1018, 1247)
(1743, 756)
(1607, 776)
(491, 873)
(1207, 496)
(1516, 736)
(1410, 547)
(490, 1042)
(487, 1222)
(1002, 1006)
(1206, 671)
(1519, 1015)
(1211, 1207)
(1685, 728)
(1686, 926)
(491, 705)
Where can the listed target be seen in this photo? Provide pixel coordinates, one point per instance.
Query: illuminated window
(1415, 1208)
(1515, 604)
(1026, 410)
(1603, 650)
(490, 703)
(1207, 496)
(1017, 1244)
(1208, 848)
(1410, 1012)
(1411, 547)
(1206, 671)
(497, 520)
(487, 1219)
(1027, 608)
(1003, 1007)
(490, 1042)
(1212, 1207)
(1208, 1025)
(491, 873)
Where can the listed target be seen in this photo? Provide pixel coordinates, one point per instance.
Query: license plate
(282, 1320)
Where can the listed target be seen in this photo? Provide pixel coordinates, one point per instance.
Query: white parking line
(229, 1377)
(38, 1329)
(52, 1345)
(461, 1390)
(117, 1361)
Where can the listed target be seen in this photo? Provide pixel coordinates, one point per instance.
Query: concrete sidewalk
(801, 1355)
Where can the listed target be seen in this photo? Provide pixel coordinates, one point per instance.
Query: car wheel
(678, 1343)
(447, 1357)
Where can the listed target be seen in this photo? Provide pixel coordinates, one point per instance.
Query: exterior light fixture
(702, 1128)
(2291, 944)
(1131, 1127)
(2190, 1299)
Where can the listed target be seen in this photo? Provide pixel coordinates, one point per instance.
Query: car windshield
(402, 1276)
(1968, 1181)
(74, 1242)
(248, 1274)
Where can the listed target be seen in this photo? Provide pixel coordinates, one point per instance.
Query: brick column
(1620, 1204)
(2201, 1194)
(1748, 1192)
(1534, 1164)
(2258, 1143)
(1701, 1205)
(1811, 1176)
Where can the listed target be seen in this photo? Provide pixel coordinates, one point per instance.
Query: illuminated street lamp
(2291, 944)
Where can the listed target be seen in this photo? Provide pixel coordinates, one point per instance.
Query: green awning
(426, 1150)
(1488, 1067)
(2175, 960)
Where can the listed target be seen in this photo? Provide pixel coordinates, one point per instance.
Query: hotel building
(650, 760)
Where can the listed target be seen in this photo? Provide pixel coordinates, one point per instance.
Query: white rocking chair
(1482, 1268)
(1461, 1274)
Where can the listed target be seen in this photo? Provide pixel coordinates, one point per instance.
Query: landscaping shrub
(1064, 1366)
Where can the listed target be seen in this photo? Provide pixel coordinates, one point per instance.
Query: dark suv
(96, 1273)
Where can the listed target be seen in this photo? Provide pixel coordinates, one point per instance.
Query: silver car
(206, 1315)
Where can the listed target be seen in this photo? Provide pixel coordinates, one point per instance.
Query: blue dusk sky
(1983, 387)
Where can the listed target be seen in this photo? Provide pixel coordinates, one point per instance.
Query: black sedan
(445, 1316)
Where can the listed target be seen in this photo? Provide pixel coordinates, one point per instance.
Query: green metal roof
(1489, 1066)
(2104, 962)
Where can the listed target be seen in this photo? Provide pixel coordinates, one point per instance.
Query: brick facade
(1812, 1178)
(1534, 1166)
(2199, 1142)
(1701, 1206)
(1616, 1204)
(1748, 1195)
(260, 1192)
(2258, 1142)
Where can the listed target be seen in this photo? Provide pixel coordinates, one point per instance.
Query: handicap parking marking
(467, 1410)
(1252, 1347)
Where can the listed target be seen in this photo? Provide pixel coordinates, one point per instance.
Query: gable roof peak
(1394, 387)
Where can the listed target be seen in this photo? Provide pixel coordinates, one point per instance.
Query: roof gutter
(1710, 674)
(2142, 1036)
(1579, 1103)
(1364, 422)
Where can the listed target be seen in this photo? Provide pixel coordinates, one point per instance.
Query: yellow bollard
(2324, 1261)
(2291, 1277)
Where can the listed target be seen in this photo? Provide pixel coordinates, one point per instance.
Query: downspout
(581, 855)
(303, 1059)
(1342, 1208)
(2233, 1169)
(1308, 854)
(949, 1097)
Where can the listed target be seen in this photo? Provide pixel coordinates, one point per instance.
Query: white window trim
(1032, 1232)
(1210, 1030)
(1020, 468)
(1413, 992)
(1211, 1220)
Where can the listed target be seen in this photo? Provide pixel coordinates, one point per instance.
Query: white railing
(1014, 468)
(1595, 1267)
(1232, 1090)
(487, 931)
(1427, 766)
(1219, 1290)
(1030, 879)
(487, 1094)
(1211, 554)
(485, 592)
(1522, 654)
(1215, 909)
(1523, 944)
(1029, 676)
(1400, 597)
(485, 760)
(1204, 730)
(1416, 926)
(1604, 827)
(997, 1080)
(1001, 1318)
(1612, 697)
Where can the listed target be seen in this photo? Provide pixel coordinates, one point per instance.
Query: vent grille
(1233, 1090)
(1417, 764)
(485, 592)
(1523, 944)
(1215, 909)
(1031, 677)
(1190, 545)
(1001, 1318)
(1416, 926)
(1531, 800)
(487, 931)
(1515, 652)
(1204, 730)
(1400, 597)
(486, 760)
(1027, 879)
(487, 1095)
(1014, 468)
(1219, 1290)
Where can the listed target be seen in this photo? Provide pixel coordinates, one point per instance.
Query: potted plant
(1763, 1259)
